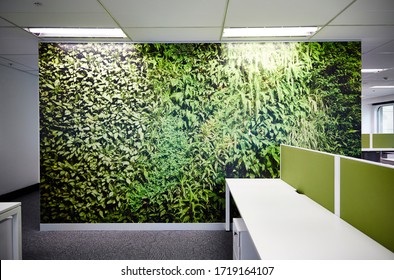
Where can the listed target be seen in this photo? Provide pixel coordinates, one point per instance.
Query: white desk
(13, 209)
(377, 149)
(286, 225)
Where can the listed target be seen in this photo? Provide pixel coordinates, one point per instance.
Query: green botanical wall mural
(149, 132)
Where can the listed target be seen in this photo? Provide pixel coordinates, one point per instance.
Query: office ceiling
(371, 21)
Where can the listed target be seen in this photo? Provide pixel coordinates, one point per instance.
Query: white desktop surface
(286, 225)
(7, 206)
(377, 149)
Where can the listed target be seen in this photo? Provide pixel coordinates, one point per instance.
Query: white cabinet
(243, 246)
(6, 239)
(10, 231)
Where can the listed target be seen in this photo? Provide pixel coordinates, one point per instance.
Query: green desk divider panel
(365, 141)
(383, 140)
(310, 173)
(367, 199)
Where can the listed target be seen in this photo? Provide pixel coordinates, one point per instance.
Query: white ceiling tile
(372, 37)
(378, 61)
(17, 41)
(60, 19)
(258, 13)
(380, 57)
(19, 46)
(4, 23)
(366, 12)
(374, 97)
(371, 96)
(372, 45)
(173, 34)
(386, 48)
(50, 6)
(30, 61)
(21, 62)
(170, 13)
(354, 32)
(56, 13)
(13, 32)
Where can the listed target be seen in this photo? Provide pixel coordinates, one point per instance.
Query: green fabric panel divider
(365, 141)
(383, 141)
(367, 199)
(310, 173)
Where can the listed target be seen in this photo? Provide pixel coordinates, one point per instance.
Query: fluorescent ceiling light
(372, 70)
(78, 32)
(270, 32)
(382, 87)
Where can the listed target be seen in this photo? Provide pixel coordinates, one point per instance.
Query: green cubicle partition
(365, 141)
(383, 141)
(367, 199)
(366, 189)
(310, 173)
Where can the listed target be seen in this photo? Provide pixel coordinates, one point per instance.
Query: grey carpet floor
(117, 245)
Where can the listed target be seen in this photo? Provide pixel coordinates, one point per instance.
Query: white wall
(368, 111)
(367, 119)
(19, 130)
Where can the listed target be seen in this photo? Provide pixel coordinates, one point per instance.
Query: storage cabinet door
(6, 239)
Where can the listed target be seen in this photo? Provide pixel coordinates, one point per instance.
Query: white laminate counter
(285, 225)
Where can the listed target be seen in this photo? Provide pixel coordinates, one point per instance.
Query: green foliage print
(149, 132)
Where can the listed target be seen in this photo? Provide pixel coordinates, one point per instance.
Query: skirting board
(131, 226)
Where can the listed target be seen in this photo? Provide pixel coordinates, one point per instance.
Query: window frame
(379, 117)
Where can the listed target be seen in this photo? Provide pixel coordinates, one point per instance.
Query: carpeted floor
(117, 245)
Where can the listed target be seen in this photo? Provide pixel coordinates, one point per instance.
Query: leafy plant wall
(149, 132)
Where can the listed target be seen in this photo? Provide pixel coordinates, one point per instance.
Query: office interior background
(176, 21)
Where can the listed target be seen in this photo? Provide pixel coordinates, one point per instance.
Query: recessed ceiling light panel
(366, 71)
(382, 87)
(77, 32)
(270, 32)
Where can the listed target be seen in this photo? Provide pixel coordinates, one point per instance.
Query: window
(386, 118)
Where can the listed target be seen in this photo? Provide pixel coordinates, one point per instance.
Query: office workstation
(288, 218)
(378, 147)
